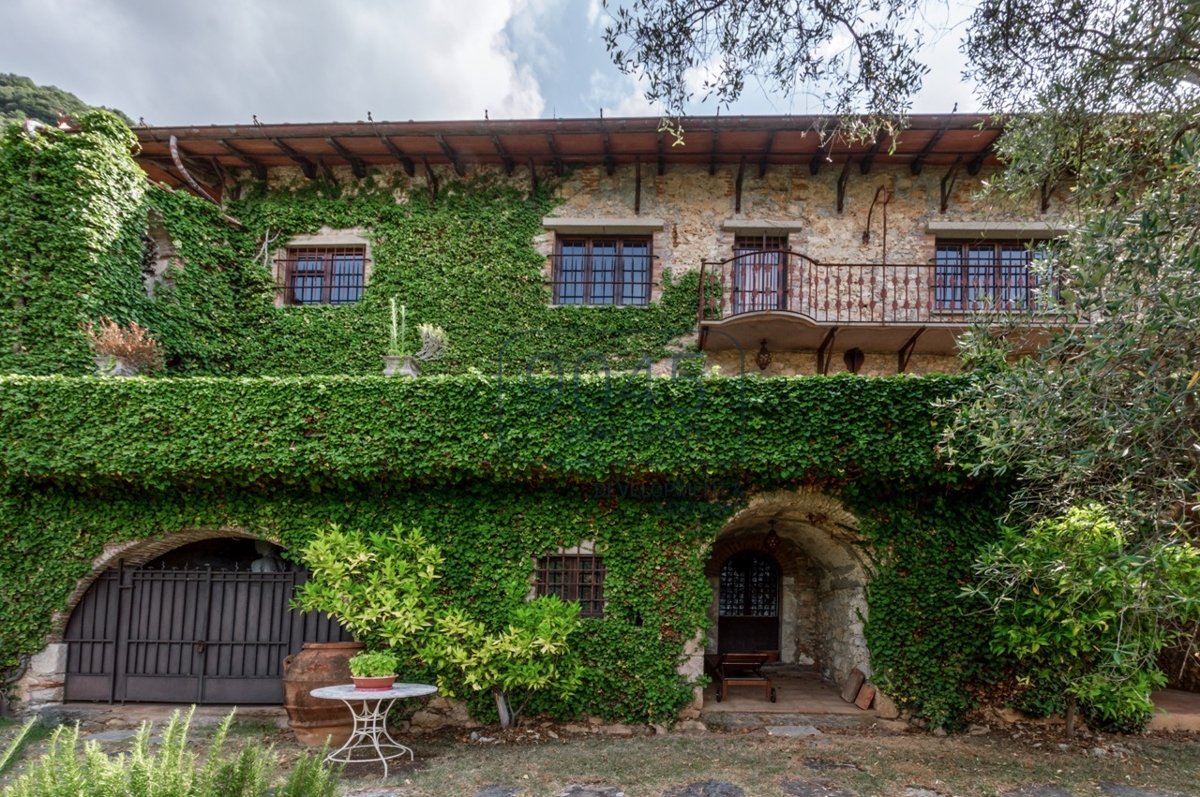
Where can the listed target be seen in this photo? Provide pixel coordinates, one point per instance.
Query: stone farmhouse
(801, 251)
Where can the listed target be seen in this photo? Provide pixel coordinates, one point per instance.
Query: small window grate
(573, 578)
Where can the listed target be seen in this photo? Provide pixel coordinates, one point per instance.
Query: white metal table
(369, 708)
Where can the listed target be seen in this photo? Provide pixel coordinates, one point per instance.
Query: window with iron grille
(759, 273)
(324, 275)
(573, 577)
(973, 275)
(590, 270)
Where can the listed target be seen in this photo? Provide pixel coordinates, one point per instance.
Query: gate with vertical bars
(188, 636)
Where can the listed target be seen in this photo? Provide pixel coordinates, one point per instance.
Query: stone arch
(136, 553)
(825, 567)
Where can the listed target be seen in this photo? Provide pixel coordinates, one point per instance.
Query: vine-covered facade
(601, 424)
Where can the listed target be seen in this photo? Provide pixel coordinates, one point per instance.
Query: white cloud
(284, 60)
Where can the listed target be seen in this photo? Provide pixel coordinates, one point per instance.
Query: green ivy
(275, 420)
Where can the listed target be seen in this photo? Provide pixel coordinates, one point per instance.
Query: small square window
(573, 578)
(324, 275)
(602, 271)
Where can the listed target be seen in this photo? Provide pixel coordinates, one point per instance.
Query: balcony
(795, 303)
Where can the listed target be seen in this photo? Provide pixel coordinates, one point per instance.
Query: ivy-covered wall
(271, 420)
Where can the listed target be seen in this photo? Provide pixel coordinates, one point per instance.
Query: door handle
(200, 646)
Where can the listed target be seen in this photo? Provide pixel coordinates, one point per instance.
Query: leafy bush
(373, 664)
(1081, 604)
(173, 771)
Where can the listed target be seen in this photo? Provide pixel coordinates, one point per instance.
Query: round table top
(350, 692)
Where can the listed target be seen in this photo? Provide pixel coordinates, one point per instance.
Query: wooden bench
(743, 669)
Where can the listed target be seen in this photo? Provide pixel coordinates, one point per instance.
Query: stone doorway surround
(824, 569)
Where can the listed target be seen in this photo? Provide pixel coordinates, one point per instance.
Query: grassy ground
(866, 762)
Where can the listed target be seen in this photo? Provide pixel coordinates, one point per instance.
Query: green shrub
(175, 770)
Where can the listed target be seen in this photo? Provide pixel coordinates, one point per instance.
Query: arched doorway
(209, 622)
(821, 567)
(748, 617)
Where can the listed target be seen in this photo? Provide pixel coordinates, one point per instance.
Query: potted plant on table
(373, 670)
(399, 358)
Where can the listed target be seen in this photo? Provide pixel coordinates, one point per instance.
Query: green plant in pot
(400, 359)
(373, 670)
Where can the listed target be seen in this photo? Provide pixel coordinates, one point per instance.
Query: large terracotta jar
(318, 664)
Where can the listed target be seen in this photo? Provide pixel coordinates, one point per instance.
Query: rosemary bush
(174, 770)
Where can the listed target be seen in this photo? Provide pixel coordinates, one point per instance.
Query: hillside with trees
(21, 98)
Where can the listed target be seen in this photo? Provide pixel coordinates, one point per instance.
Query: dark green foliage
(336, 431)
(21, 98)
(71, 220)
(929, 644)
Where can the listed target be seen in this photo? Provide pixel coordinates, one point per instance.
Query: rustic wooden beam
(432, 179)
(869, 159)
(256, 168)
(762, 161)
(712, 154)
(662, 156)
(509, 164)
(533, 181)
(919, 162)
(356, 164)
(610, 163)
(948, 183)
(820, 156)
(976, 164)
(1047, 191)
(450, 153)
(637, 186)
(741, 173)
(843, 178)
(406, 162)
(326, 170)
(306, 165)
(905, 353)
(825, 352)
(559, 169)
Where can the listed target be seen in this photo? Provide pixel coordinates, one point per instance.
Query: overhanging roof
(753, 142)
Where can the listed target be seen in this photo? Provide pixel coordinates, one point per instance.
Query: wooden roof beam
(662, 156)
(406, 162)
(556, 156)
(256, 168)
(356, 164)
(610, 163)
(509, 164)
(869, 159)
(843, 178)
(306, 165)
(712, 154)
(948, 183)
(459, 169)
(976, 164)
(737, 206)
(762, 162)
(919, 162)
(820, 156)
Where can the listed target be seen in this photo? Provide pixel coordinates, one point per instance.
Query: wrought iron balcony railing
(868, 293)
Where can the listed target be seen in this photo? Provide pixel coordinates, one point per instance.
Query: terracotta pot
(373, 683)
(318, 664)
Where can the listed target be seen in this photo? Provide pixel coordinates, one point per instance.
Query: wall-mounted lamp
(772, 540)
(854, 359)
(763, 358)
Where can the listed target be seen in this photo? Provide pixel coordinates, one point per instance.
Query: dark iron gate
(188, 636)
(748, 619)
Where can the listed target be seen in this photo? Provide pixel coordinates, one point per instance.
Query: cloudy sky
(176, 62)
